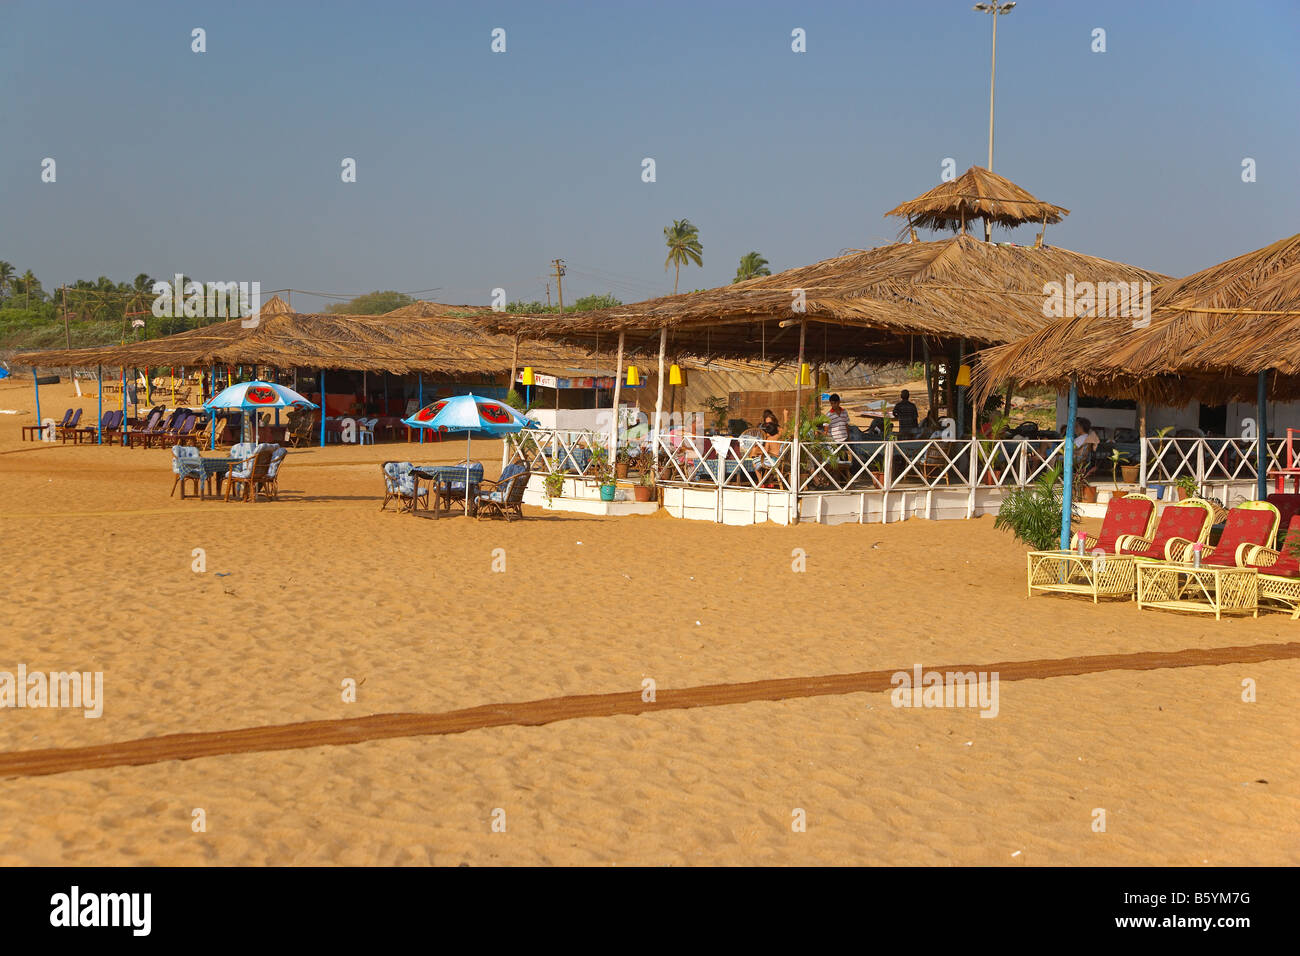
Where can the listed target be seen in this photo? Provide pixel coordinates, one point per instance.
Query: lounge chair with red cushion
(1250, 524)
(1125, 517)
(1287, 505)
(1279, 570)
(1188, 520)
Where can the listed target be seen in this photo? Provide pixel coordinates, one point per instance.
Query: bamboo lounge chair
(1126, 516)
(1250, 524)
(1279, 570)
(505, 496)
(1187, 520)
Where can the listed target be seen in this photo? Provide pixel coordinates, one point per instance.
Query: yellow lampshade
(528, 375)
(633, 375)
(805, 374)
(824, 381)
(963, 376)
(675, 376)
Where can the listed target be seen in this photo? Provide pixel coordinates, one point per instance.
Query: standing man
(837, 421)
(906, 412)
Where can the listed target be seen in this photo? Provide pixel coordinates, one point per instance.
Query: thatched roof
(866, 305)
(448, 341)
(1211, 333)
(977, 194)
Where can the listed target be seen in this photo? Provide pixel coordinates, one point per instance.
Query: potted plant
(622, 460)
(602, 472)
(553, 485)
(1033, 513)
(1116, 456)
(992, 453)
(644, 489)
(1187, 487)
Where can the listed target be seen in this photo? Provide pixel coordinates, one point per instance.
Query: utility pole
(997, 10)
(559, 281)
(548, 295)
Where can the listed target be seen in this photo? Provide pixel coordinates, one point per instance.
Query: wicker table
(1069, 572)
(1209, 588)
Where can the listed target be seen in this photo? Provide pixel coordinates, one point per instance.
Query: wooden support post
(659, 395)
(618, 384)
(1142, 445)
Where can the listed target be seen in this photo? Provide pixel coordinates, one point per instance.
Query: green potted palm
(602, 472)
(622, 461)
(1033, 513)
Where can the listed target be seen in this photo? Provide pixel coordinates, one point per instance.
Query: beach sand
(302, 594)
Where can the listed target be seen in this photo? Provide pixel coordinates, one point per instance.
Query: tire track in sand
(353, 730)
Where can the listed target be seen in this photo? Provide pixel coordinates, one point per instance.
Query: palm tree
(684, 247)
(6, 276)
(751, 265)
(29, 280)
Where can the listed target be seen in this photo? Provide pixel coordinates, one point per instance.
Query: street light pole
(996, 10)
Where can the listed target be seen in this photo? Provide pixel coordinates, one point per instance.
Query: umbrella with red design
(254, 396)
(469, 414)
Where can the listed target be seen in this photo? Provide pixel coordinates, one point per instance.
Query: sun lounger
(1126, 516)
(1279, 569)
(144, 435)
(1186, 520)
(69, 429)
(505, 496)
(1252, 523)
(35, 432)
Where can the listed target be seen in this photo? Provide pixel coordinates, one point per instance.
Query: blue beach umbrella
(254, 396)
(469, 414)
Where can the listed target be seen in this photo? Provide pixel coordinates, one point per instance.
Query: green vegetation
(751, 265)
(1033, 514)
(587, 303)
(683, 240)
(372, 303)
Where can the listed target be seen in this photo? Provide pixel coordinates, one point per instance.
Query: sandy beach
(302, 594)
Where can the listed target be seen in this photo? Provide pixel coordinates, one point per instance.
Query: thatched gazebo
(977, 194)
(891, 303)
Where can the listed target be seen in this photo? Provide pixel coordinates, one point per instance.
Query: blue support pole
(322, 408)
(1261, 431)
(124, 405)
(37, 386)
(212, 393)
(99, 429)
(1067, 493)
(420, 385)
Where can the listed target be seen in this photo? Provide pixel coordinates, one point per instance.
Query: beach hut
(1227, 333)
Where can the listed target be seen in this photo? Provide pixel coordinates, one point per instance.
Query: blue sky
(475, 169)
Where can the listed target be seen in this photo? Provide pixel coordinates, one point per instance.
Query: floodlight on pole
(996, 10)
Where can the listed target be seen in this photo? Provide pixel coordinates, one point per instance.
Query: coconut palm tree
(29, 280)
(751, 265)
(6, 277)
(684, 247)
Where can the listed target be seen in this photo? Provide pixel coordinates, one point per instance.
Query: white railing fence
(1208, 460)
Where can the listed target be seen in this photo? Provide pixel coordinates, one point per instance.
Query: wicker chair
(1127, 516)
(399, 485)
(249, 474)
(186, 467)
(505, 496)
(1250, 524)
(1184, 521)
(1279, 570)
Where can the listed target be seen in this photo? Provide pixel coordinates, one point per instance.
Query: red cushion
(1287, 505)
(1242, 527)
(1176, 521)
(1123, 516)
(1288, 565)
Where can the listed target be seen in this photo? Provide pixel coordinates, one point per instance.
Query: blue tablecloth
(453, 476)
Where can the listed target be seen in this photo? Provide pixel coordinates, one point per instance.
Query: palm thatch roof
(441, 340)
(867, 305)
(977, 194)
(1210, 334)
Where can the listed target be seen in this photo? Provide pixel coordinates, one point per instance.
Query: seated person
(906, 412)
(1085, 441)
